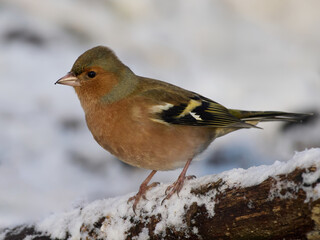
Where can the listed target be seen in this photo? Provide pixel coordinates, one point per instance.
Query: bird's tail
(254, 117)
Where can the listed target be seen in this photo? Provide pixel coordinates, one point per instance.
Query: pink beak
(70, 79)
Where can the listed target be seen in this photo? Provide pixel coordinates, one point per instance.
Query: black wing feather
(205, 113)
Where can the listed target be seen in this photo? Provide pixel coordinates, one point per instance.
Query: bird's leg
(144, 187)
(178, 184)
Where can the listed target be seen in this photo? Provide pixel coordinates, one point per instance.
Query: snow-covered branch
(270, 202)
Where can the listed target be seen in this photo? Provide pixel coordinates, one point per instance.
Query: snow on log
(280, 201)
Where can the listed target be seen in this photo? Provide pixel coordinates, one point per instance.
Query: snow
(172, 211)
(49, 162)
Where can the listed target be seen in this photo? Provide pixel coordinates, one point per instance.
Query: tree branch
(280, 201)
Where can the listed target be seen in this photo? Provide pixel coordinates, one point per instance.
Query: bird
(152, 124)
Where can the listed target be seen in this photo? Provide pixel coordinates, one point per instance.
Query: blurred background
(253, 55)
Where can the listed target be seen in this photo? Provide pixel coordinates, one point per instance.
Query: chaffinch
(148, 123)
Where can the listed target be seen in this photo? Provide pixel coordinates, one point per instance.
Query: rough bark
(240, 213)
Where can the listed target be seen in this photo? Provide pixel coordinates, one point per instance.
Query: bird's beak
(70, 79)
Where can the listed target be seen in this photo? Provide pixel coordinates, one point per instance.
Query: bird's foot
(141, 194)
(176, 186)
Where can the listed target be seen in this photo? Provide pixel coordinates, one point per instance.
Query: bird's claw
(141, 194)
(176, 187)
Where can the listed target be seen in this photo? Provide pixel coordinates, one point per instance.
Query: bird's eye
(91, 74)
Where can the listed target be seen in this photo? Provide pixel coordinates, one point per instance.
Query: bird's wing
(179, 106)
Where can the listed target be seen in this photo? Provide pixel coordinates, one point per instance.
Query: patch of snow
(171, 212)
(276, 190)
(195, 230)
(143, 235)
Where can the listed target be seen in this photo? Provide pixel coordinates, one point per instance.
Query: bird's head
(99, 73)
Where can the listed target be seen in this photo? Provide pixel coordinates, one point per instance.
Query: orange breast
(126, 131)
